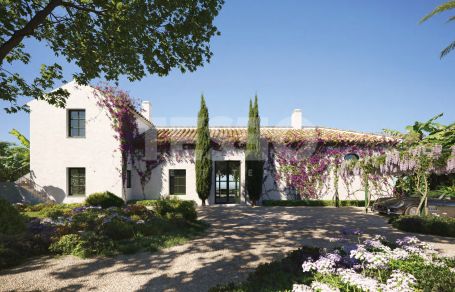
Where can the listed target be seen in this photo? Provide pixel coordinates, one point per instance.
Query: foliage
(87, 231)
(378, 265)
(370, 265)
(86, 245)
(253, 155)
(118, 229)
(104, 38)
(104, 200)
(121, 109)
(203, 154)
(448, 191)
(14, 159)
(443, 226)
(275, 276)
(439, 9)
(11, 221)
(313, 203)
(44, 210)
(172, 208)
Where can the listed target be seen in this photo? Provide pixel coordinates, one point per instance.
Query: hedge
(104, 200)
(172, 208)
(314, 203)
(443, 226)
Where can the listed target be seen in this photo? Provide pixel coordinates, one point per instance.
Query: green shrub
(49, 210)
(118, 229)
(66, 244)
(443, 226)
(172, 208)
(278, 275)
(314, 203)
(429, 277)
(104, 200)
(11, 221)
(86, 245)
(9, 256)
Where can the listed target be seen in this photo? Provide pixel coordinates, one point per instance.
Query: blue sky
(349, 64)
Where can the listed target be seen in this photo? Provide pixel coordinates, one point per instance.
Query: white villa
(74, 153)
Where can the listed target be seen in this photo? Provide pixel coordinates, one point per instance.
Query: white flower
(373, 260)
(357, 280)
(400, 281)
(322, 287)
(301, 288)
(399, 254)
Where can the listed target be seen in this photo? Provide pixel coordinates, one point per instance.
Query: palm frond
(441, 8)
(447, 50)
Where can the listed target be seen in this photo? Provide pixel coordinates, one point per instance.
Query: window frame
(172, 187)
(70, 119)
(70, 186)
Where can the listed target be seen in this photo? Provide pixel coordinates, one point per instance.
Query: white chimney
(296, 119)
(146, 110)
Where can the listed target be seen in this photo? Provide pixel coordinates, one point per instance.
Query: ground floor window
(76, 181)
(177, 181)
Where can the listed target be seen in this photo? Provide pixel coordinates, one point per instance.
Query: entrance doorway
(227, 182)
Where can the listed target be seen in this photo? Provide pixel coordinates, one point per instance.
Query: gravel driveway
(239, 239)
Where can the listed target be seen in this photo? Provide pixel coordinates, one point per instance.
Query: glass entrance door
(227, 182)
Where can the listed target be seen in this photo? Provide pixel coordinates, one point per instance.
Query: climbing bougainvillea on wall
(122, 110)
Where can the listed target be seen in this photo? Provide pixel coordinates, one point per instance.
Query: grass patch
(314, 203)
(443, 226)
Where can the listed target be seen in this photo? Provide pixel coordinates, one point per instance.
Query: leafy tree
(439, 9)
(425, 133)
(14, 159)
(105, 39)
(203, 154)
(254, 162)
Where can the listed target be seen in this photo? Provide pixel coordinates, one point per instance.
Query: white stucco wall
(52, 152)
(158, 185)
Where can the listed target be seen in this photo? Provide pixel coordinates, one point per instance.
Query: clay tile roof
(277, 135)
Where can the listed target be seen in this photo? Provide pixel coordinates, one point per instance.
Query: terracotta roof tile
(280, 135)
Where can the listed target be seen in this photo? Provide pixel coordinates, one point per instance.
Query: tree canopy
(105, 39)
(14, 159)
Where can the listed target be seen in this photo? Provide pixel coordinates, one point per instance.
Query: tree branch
(28, 29)
(83, 8)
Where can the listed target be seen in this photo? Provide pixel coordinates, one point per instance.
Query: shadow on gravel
(238, 240)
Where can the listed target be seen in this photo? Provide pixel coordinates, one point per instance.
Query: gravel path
(239, 239)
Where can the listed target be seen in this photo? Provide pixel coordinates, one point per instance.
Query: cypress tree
(254, 162)
(203, 154)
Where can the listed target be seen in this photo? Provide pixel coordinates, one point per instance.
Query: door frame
(237, 199)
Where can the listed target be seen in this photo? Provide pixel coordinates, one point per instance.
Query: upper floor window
(76, 123)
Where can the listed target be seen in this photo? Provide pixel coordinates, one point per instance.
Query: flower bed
(87, 231)
(443, 226)
(371, 265)
(313, 203)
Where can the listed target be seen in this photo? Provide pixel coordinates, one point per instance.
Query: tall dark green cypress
(203, 154)
(254, 161)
